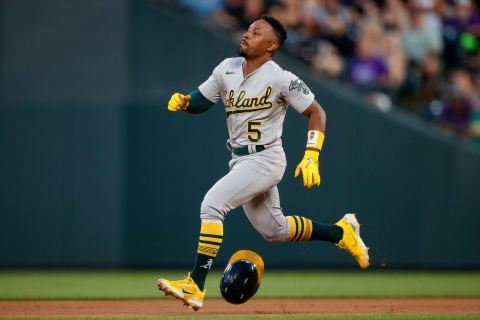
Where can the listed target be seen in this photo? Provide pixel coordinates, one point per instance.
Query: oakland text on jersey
(251, 104)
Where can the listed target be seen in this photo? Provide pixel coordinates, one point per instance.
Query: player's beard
(241, 52)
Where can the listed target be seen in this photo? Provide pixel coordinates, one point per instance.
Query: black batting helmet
(241, 277)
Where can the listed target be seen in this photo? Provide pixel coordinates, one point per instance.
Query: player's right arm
(194, 102)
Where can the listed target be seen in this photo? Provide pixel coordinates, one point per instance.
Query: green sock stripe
(301, 228)
(211, 235)
(210, 242)
(296, 228)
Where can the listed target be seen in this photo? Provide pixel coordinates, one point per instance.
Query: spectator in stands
(422, 49)
(395, 58)
(366, 69)
(289, 13)
(395, 16)
(456, 116)
(418, 43)
(228, 15)
(430, 79)
(335, 20)
(475, 121)
(327, 61)
(458, 108)
(463, 17)
(252, 10)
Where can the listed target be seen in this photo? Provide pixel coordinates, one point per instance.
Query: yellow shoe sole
(170, 291)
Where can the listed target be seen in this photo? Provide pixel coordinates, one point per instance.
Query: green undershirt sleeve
(198, 103)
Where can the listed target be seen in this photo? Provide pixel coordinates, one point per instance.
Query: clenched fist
(178, 102)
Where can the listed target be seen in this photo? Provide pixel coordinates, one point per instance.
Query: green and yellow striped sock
(211, 237)
(303, 229)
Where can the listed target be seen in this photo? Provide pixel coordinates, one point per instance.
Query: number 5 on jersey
(253, 132)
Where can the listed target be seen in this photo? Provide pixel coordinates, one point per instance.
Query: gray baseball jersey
(255, 105)
(255, 108)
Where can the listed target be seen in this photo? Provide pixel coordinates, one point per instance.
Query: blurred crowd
(420, 55)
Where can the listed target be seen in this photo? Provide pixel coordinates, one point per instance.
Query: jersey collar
(254, 71)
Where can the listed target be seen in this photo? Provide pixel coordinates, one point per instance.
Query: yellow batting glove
(309, 168)
(309, 163)
(178, 102)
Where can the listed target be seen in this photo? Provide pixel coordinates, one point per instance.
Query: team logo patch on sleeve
(299, 86)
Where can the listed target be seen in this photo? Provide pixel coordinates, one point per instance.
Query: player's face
(258, 40)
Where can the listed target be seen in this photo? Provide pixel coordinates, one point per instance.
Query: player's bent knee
(275, 230)
(207, 216)
(274, 236)
(211, 211)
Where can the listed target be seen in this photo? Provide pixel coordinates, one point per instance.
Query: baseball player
(256, 93)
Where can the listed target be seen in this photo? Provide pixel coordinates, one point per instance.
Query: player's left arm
(316, 134)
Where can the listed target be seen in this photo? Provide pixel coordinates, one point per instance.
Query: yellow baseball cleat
(185, 290)
(351, 240)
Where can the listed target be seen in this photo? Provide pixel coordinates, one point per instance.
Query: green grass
(141, 284)
(290, 317)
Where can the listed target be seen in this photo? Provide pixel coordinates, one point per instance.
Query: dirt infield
(130, 308)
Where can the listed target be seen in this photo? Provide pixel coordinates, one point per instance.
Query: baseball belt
(244, 150)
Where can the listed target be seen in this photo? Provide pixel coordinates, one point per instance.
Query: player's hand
(309, 168)
(178, 102)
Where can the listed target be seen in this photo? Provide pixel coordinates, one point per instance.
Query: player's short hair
(278, 28)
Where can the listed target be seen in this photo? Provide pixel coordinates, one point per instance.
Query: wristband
(315, 139)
